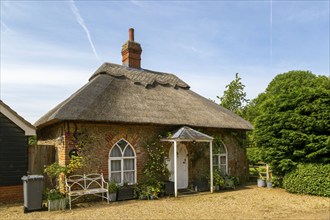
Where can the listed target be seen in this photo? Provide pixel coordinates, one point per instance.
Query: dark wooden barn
(14, 133)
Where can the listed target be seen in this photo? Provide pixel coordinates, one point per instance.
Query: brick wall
(9, 194)
(102, 137)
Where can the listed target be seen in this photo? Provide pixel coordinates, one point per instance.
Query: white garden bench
(81, 185)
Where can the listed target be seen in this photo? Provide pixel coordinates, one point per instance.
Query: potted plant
(112, 190)
(218, 179)
(144, 191)
(125, 192)
(230, 182)
(56, 195)
(55, 200)
(149, 190)
(154, 191)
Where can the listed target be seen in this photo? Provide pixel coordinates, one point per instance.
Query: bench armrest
(104, 183)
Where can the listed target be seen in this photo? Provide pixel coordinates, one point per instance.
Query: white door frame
(176, 166)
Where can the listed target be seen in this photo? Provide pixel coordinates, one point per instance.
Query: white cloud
(44, 75)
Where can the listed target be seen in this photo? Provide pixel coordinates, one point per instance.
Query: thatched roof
(118, 94)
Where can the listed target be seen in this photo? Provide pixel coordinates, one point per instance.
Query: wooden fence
(260, 171)
(39, 157)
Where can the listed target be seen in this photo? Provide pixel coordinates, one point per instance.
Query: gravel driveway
(248, 202)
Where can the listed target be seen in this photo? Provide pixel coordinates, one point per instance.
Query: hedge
(310, 178)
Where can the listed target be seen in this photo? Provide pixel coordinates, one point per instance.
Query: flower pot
(125, 193)
(269, 185)
(261, 183)
(113, 197)
(58, 204)
(202, 185)
(169, 188)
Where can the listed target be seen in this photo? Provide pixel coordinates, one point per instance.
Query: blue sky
(49, 49)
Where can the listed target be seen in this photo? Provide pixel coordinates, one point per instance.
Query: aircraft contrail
(82, 24)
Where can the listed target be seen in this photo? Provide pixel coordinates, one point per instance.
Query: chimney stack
(131, 52)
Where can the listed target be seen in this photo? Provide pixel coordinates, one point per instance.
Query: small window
(122, 163)
(115, 152)
(220, 157)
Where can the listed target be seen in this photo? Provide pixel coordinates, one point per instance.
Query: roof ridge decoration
(140, 76)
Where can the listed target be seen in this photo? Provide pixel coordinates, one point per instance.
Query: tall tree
(292, 124)
(234, 98)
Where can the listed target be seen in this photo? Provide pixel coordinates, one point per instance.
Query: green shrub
(310, 178)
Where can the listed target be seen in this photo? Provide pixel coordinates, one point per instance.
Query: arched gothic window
(220, 157)
(122, 163)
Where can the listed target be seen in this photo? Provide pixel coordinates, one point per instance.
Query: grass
(248, 202)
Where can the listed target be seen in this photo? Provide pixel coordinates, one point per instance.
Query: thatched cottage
(123, 107)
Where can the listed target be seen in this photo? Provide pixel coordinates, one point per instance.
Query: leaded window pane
(216, 149)
(128, 164)
(222, 149)
(122, 144)
(129, 152)
(223, 160)
(129, 177)
(215, 160)
(115, 152)
(223, 169)
(115, 165)
(116, 177)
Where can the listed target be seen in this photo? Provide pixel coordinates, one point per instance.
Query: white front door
(182, 164)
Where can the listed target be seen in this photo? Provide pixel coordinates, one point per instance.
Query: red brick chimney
(131, 52)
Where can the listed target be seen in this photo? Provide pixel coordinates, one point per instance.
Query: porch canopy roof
(188, 134)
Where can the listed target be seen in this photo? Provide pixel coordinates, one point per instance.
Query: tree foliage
(292, 120)
(234, 98)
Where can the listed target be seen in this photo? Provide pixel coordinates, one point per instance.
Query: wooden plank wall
(13, 153)
(39, 157)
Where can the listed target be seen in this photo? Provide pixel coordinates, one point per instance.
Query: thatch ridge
(142, 76)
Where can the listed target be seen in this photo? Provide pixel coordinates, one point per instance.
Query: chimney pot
(131, 34)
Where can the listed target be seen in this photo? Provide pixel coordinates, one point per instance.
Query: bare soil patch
(248, 202)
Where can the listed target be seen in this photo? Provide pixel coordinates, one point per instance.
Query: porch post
(211, 167)
(175, 171)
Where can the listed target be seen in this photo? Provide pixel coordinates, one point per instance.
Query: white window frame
(218, 165)
(121, 159)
